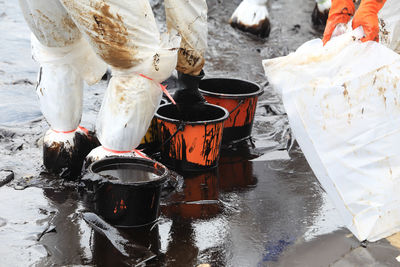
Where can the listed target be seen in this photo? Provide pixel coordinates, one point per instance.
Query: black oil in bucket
(127, 190)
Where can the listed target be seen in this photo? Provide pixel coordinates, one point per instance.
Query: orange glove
(341, 12)
(367, 17)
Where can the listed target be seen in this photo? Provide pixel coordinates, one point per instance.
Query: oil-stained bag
(343, 105)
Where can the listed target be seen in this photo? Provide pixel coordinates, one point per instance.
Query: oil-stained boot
(64, 153)
(188, 93)
(319, 17)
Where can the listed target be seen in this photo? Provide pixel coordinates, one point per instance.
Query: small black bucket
(127, 190)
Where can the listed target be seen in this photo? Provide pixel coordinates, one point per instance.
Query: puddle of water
(20, 231)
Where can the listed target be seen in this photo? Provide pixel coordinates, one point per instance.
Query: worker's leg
(125, 35)
(189, 18)
(66, 60)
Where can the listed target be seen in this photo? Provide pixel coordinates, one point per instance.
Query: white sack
(343, 105)
(189, 18)
(389, 17)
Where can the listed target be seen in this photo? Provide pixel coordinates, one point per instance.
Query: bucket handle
(238, 105)
(181, 127)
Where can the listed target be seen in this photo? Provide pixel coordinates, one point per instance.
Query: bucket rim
(117, 160)
(259, 92)
(175, 121)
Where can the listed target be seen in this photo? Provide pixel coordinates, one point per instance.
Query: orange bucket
(240, 98)
(236, 170)
(193, 144)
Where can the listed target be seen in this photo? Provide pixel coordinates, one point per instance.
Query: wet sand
(262, 206)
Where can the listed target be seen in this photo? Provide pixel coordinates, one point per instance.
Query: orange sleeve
(367, 17)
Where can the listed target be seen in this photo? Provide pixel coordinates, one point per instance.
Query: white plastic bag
(189, 18)
(389, 17)
(343, 105)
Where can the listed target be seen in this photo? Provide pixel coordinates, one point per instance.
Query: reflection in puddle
(198, 199)
(20, 231)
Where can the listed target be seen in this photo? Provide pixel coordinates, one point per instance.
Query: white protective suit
(72, 40)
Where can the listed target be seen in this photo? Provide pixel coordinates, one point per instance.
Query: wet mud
(262, 205)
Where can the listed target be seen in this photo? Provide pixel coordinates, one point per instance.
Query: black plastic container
(127, 190)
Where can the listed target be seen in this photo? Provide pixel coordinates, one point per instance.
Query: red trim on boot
(86, 131)
(64, 131)
(116, 151)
